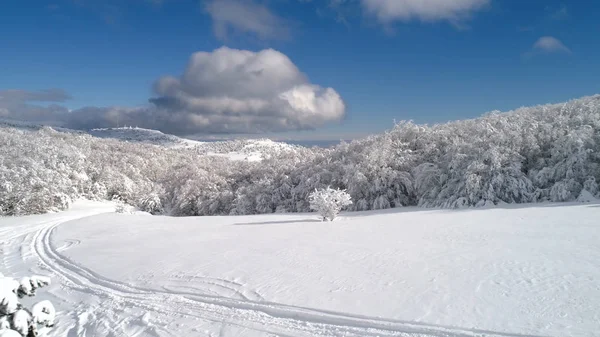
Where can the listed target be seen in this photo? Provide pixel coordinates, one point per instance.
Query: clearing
(518, 271)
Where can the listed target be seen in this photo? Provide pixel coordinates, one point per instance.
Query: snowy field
(519, 271)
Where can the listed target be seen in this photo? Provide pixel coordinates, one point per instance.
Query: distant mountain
(141, 135)
(27, 125)
(323, 143)
(246, 149)
(235, 149)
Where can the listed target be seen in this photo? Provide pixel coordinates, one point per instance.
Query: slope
(523, 271)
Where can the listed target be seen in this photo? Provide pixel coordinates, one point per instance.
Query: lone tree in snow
(329, 202)
(16, 320)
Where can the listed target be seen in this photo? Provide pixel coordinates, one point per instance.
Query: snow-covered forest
(541, 153)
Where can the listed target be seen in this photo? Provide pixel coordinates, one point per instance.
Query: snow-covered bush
(591, 185)
(150, 203)
(329, 202)
(15, 319)
(120, 206)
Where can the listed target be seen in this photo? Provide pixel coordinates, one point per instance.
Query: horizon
(330, 70)
(286, 137)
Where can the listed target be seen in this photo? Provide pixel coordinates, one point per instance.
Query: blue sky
(426, 60)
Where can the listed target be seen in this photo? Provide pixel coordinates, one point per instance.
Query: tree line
(532, 154)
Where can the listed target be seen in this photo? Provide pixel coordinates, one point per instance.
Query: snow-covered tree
(534, 154)
(329, 202)
(15, 319)
(150, 203)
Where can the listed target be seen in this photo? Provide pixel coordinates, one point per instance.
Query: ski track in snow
(113, 308)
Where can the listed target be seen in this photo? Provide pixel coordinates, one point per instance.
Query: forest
(532, 154)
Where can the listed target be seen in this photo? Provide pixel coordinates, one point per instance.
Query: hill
(535, 154)
(141, 135)
(510, 271)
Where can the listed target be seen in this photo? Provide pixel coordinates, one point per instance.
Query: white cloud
(454, 11)
(223, 91)
(549, 44)
(231, 90)
(245, 16)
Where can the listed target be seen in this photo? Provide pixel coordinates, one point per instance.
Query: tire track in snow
(216, 286)
(267, 317)
(16, 243)
(68, 244)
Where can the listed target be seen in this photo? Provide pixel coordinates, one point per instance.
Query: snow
(536, 154)
(248, 149)
(9, 301)
(141, 135)
(530, 270)
(253, 150)
(21, 321)
(9, 333)
(586, 196)
(44, 313)
(235, 156)
(12, 314)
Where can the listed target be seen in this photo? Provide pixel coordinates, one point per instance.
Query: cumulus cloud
(245, 16)
(231, 90)
(223, 91)
(549, 44)
(454, 11)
